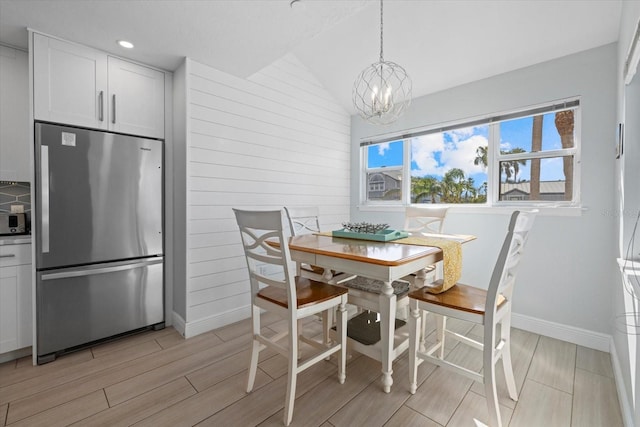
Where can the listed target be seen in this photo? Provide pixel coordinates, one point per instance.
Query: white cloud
(462, 133)
(383, 147)
(427, 150)
(423, 150)
(505, 146)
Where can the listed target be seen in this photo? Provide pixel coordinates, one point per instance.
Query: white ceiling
(441, 43)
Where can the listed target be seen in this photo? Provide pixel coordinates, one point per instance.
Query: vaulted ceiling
(441, 43)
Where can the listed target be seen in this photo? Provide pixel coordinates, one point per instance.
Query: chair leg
(491, 394)
(292, 374)
(255, 347)
(505, 335)
(341, 329)
(328, 317)
(423, 331)
(489, 377)
(441, 327)
(414, 326)
(299, 340)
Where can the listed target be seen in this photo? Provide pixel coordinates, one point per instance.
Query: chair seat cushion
(459, 296)
(400, 287)
(308, 292)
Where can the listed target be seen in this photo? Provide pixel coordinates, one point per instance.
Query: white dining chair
(306, 220)
(276, 288)
(425, 221)
(485, 307)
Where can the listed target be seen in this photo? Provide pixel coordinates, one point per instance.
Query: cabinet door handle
(101, 105)
(113, 117)
(8, 256)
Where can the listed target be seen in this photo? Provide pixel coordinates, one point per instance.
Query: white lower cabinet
(15, 297)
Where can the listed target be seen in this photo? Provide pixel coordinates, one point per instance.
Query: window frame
(493, 158)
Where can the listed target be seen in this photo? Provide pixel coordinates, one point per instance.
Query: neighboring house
(382, 184)
(549, 190)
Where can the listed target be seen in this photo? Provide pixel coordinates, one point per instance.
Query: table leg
(421, 276)
(387, 333)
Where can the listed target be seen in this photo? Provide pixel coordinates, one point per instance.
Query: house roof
(546, 187)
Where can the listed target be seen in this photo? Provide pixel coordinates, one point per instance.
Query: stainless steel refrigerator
(99, 241)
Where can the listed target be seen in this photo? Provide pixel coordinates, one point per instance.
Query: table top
(381, 253)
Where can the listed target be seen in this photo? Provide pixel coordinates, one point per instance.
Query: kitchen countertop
(21, 239)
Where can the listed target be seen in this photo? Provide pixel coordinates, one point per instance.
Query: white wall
(566, 277)
(272, 140)
(626, 339)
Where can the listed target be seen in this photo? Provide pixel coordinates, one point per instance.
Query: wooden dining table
(384, 261)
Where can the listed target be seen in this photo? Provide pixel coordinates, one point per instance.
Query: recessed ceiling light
(125, 44)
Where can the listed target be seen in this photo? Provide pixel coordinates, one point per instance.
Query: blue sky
(436, 154)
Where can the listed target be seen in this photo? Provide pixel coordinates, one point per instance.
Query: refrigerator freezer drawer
(78, 306)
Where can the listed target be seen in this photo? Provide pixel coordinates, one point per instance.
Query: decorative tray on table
(366, 231)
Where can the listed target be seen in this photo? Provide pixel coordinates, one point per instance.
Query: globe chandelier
(382, 91)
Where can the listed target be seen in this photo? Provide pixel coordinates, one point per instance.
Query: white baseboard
(626, 407)
(579, 336)
(15, 354)
(178, 323)
(210, 323)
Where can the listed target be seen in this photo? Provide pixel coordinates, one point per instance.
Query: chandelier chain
(381, 39)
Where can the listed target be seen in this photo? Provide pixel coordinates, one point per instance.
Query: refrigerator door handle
(103, 270)
(44, 209)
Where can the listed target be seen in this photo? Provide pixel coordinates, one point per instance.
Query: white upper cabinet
(136, 99)
(14, 115)
(69, 83)
(77, 85)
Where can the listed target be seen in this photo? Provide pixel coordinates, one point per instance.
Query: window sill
(487, 210)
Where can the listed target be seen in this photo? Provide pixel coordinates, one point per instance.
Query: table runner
(451, 256)
(451, 260)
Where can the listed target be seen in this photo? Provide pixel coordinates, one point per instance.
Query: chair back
(424, 220)
(505, 271)
(303, 220)
(268, 264)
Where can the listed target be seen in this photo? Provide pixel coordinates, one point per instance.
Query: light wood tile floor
(160, 379)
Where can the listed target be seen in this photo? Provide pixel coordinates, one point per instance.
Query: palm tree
(564, 123)
(512, 167)
(453, 184)
(470, 189)
(427, 186)
(536, 145)
(481, 156)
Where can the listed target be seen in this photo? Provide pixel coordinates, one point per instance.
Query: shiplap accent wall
(272, 140)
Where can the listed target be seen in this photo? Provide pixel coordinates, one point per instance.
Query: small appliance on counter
(13, 223)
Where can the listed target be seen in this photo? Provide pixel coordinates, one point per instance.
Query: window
(517, 158)
(536, 157)
(384, 171)
(445, 166)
